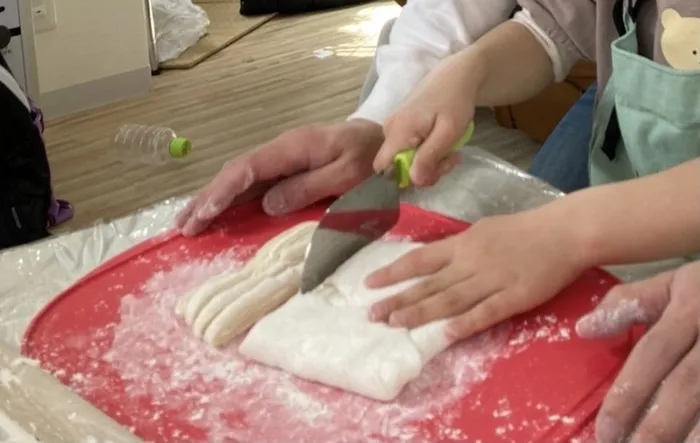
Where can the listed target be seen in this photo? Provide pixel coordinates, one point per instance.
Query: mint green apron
(647, 118)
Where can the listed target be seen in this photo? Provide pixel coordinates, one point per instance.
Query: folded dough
(325, 335)
(228, 304)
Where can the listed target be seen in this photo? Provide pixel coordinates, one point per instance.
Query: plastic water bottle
(149, 145)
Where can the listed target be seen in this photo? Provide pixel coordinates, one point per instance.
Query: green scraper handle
(404, 160)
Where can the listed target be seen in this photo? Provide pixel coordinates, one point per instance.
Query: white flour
(611, 320)
(217, 396)
(233, 399)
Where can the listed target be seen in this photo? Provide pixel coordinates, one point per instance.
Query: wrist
(574, 234)
(473, 62)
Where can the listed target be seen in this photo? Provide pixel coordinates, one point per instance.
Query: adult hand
(433, 118)
(296, 169)
(656, 396)
(501, 266)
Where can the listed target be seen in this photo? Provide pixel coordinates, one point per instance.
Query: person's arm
(645, 219)
(521, 57)
(426, 32)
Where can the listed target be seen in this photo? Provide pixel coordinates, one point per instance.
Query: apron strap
(622, 14)
(515, 10)
(619, 17)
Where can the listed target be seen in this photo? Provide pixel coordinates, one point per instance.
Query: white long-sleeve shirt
(426, 32)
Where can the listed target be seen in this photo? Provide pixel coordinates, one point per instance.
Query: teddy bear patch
(680, 40)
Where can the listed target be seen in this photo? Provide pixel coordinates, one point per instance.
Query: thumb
(627, 305)
(401, 132)
(301, 190)
(444, 167)
(435, 150)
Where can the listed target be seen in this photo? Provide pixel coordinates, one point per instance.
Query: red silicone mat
(114, 339)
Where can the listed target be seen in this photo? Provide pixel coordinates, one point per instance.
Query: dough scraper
(359, 217)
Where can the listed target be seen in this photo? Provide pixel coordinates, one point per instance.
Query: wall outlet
(44, 15)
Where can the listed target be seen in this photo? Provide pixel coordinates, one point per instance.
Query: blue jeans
(563, 159)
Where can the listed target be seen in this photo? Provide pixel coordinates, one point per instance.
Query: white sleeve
(425, 32)
(562, 64)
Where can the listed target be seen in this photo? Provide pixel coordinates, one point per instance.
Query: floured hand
(228, 304)
(656, 396)
(295, 170)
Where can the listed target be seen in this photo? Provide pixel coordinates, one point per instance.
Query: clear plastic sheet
(30, 276)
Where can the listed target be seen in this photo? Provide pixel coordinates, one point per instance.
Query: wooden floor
(268, 82)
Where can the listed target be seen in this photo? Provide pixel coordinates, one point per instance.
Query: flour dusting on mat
(228, 398)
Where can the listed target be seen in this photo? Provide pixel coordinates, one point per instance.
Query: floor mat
(227, 26)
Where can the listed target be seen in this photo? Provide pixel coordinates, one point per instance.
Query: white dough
(228, 304)
(252, 306)
(325, 335)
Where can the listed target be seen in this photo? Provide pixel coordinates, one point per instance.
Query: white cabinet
(18, 52)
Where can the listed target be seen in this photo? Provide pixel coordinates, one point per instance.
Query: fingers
(402, 132)
(491, 311)
(444, 168)
(611, 320)
(677, 403)
(302, 190)
(188, 220)
(235, 178)
(425, 260)
(449, 301)
(647, 366)
(400, 310)
(694, 434)
(627, 305)
(434, 149)
(383, 310)
(191, 224)
(278, 158)
(184, 215)
(434, 139)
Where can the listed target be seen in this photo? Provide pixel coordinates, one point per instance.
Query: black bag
(25, 178)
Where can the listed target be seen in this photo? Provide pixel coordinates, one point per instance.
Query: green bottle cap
(179, 147)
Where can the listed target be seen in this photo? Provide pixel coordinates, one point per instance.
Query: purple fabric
(60, 211)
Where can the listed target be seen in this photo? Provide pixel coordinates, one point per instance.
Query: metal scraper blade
(353, 221)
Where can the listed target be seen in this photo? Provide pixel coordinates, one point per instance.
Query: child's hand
(432, 119)
(500, 267)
